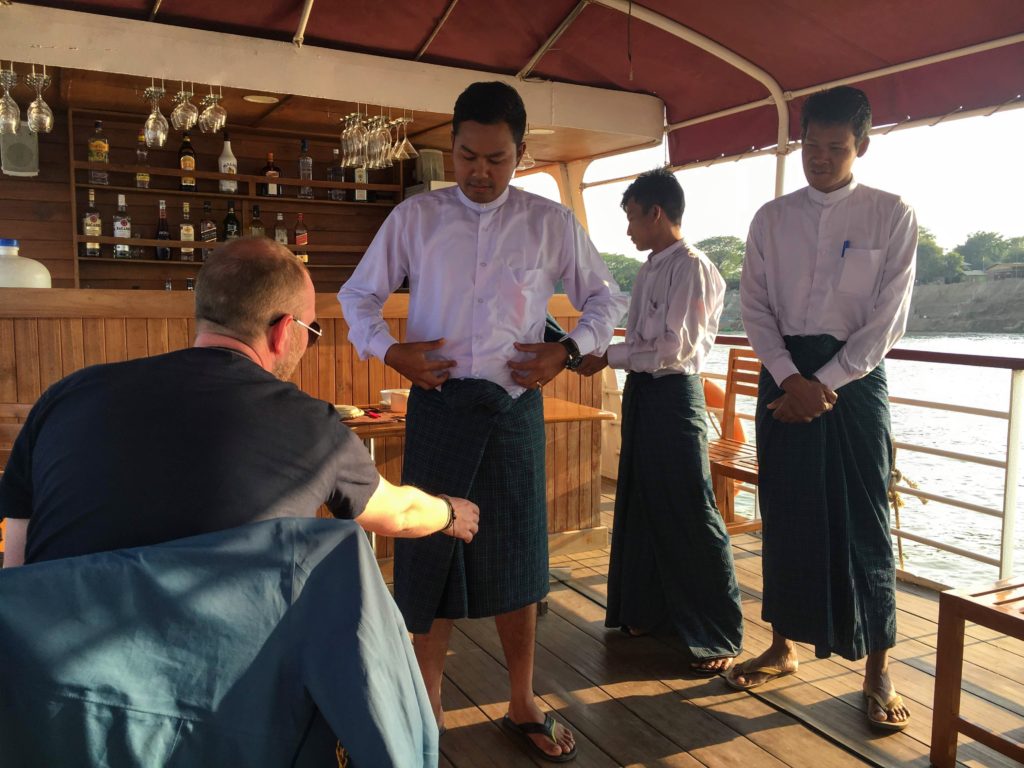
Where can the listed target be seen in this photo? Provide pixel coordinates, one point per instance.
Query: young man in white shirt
(482, 260)
(671, 561)
(825, 294)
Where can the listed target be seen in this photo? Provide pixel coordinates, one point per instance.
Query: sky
(961, 176)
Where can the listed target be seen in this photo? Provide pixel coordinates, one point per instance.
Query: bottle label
(301, 238)
(188, 163)
(271, 187)
(122, 227)
(225, 185)
(99, 150)
(142, 180)
(208, 234)
(360, 178)
(281, 236)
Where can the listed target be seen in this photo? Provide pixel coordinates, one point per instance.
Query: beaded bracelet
(451, 513)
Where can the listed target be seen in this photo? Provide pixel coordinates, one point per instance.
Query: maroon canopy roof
(800, 43)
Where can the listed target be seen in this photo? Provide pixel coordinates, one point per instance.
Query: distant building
(973, 276)
(1005, 271)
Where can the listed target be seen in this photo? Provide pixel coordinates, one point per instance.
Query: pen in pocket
(846, 244)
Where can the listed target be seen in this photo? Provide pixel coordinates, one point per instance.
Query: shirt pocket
(521, 297)
(860, 271)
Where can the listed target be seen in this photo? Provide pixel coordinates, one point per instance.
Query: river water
(977, 435)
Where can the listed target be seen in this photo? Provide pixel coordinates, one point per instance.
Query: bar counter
(46, 334)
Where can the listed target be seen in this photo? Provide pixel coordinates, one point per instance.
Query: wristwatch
(575, 359)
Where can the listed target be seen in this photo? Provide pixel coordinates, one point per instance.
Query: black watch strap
(575, 358)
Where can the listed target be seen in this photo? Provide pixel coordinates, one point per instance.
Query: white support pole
(719, 51)
(1013, 435)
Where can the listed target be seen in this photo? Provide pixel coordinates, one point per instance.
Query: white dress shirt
(480, 276)
(673, 315)
(839, 263)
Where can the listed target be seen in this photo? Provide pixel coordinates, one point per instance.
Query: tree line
(979, 251)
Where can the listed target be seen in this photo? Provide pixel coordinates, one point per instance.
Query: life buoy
(714, 397)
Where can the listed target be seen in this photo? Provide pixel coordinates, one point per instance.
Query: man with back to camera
(482, 260)
(825, 293)
(202, 439)
(671, 559)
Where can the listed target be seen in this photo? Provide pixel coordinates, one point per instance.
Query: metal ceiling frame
(437, 28)
(552, 39)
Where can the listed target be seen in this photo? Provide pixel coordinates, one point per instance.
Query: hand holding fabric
(467, 519)
(410, 360)
(548, 361)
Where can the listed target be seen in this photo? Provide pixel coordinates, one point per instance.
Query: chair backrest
(741, 379)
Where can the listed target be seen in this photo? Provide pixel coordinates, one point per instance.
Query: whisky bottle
(92, 226)
(187, 162)
(99, 152)
(208, 229)
(187, 233)
(122, 229)
(163, 232)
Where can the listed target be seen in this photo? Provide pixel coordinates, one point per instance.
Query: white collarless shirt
(673, 314)
(838, 263)
(480, 277)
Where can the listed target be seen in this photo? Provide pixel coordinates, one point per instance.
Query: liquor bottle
(122, 228)
(99, 152)
(280, 230)
(207, 229)
(163, 232)
(336, 172)
(361, 177)
(301, 239)
(142, 160)
(305, 170)
(270, 188)
(227, 163)
(187, 233)
(232, 228)
(92, 226)
(190, 283)
(168, 285)
(256, 226)
(187, 162)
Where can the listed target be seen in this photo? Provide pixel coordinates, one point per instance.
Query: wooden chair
(12, 416)
(731, 458)
(998, 606)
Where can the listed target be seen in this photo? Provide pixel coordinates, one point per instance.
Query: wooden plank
(116, 343)
(94, 341)
(136, 338)
(326, 371)
(573, 479)
(156, 336)
(177, 334)
(50, 368)
(72, 343)
(8, 365)
(26, 346)
(559, 518)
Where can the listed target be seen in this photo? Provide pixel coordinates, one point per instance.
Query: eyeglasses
(313, 329)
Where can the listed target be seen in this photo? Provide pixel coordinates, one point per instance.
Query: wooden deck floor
(631, 703)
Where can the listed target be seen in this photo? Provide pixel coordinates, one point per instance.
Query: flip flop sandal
(894, 702)
(747, 668)
(547, 728)
(698, 671)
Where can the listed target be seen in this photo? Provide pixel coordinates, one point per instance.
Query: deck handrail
(1014, 415)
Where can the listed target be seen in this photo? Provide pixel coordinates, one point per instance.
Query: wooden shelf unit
(339, 231)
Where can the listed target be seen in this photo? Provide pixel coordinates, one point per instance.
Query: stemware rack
(339, 231)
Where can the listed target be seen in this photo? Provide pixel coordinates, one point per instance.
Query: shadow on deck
(631, 703)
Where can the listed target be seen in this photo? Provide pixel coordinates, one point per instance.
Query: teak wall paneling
(35, 210)
(47, 334)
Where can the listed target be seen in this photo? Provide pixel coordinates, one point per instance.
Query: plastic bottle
(19, 272)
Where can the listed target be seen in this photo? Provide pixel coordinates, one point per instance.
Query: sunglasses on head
(313, 329)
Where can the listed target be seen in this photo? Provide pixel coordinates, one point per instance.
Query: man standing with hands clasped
(671, 562)
(482, 260)
(825, 293)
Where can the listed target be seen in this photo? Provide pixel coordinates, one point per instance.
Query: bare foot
(531, 713)
(879, 686)
(784, 660)
(712, 666)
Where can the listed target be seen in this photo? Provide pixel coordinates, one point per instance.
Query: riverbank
(991, 307)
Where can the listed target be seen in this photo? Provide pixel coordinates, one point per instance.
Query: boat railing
(1009, 464)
